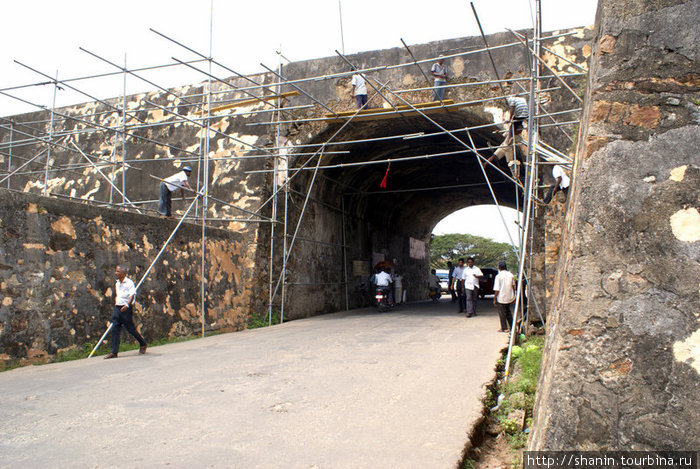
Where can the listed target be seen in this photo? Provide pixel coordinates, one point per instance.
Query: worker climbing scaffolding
(516, 135)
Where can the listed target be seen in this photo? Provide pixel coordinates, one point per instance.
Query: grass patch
(514, 414)
(84, 351)
(258, 320)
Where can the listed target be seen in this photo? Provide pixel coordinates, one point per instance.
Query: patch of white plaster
(678, 174)
(685, 225)
(688, 351)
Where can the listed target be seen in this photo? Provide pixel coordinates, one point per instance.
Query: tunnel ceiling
(416, 212)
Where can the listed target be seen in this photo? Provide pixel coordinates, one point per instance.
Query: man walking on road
(504, 296)
(125, 291)
(471, 276)
(458, 284)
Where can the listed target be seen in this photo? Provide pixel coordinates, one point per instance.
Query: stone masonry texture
(621, 368)
(57, 275)
(373, 224)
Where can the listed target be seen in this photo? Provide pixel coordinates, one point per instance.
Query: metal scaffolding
(202, 109)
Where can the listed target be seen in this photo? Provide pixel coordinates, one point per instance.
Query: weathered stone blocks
(620, 368)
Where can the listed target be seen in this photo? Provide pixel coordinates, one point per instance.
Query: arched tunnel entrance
(350, 222)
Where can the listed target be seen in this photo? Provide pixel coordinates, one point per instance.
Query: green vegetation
(514, 415)
(486, 252)
(79, 353)
(263, 320)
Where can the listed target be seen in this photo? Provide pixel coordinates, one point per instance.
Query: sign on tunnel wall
(418, 249)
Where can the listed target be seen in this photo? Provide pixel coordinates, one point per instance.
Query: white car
(443, 275)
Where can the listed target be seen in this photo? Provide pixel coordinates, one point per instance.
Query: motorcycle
(434, 294)
(381, 298)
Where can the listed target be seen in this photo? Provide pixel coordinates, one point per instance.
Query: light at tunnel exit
(481, 220)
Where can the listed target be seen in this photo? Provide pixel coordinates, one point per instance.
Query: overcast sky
(46, 34)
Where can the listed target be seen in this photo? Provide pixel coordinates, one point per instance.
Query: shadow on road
(423, 308)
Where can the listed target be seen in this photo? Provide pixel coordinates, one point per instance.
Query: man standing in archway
(458, 284)
(450, 278)
(471, 276)
(504, 296)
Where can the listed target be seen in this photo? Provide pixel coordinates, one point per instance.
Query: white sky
(481, 220)
(46, 34)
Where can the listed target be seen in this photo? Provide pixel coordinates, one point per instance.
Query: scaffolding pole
(48, 156)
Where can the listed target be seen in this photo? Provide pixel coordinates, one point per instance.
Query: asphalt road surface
(348, 390)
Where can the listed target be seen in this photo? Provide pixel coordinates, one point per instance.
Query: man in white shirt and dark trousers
(458, 284)
(122, 316)
(359, 90)
(170, 185)
(504, 296)
(439, 72)
(471, 276)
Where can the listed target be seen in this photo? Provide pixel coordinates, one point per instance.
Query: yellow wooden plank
(247, 102)
(381, 110)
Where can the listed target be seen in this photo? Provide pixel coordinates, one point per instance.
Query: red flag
(382, 185)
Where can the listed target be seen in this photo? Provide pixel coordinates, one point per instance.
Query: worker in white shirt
(125, 291)
(170, 185)
(359, 90)
(439, 72)
(471, 276)
(458, 284)
(518, 112)
(561, 182)
(504, 296)
(383, 280)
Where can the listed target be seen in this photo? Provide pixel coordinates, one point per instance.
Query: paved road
(346, 390)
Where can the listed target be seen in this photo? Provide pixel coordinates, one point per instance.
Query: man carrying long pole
(124, 291)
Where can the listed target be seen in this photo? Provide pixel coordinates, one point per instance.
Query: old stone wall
(57, 263)
(621, 368)
(156, 142)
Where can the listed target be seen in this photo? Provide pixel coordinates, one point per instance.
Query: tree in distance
(486, 252)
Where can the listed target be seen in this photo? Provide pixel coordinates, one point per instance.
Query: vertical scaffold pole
(124, 133)
(536, 136)
(345, 256)
(275, 163)
(48, 156)
(205, 202)
(9, 156)
(285, 248)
